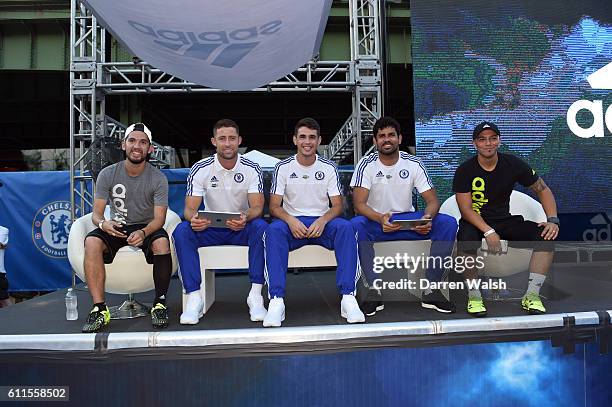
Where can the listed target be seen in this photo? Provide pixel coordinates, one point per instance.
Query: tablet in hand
(411, 223)
(218, 219)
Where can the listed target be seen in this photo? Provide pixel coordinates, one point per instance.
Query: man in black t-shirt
(482, 187)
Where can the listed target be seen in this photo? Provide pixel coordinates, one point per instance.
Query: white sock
(255, 290)
(475, 292)
(535, 283)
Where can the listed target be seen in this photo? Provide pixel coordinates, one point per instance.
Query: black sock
(162, 271)
(101, 305)
(4, 286)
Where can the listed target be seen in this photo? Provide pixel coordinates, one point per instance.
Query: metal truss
(86, 49)
(356, 132)
(92, 78)
(129, 78)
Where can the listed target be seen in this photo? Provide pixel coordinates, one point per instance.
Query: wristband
(100, 224)
(144, 234)
(489, 232)
(553, 219)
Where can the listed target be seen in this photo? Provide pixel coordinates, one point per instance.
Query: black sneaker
(437, 301)
(159, 316)
(96, 320)
(372, 303)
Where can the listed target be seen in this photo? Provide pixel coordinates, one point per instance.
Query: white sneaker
(257, 311)
(349, 309)
(276, 313)
(193, 309)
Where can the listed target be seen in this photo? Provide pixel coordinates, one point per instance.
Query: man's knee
(445, 221)
(342, 227)
(541, 245)
(359, 221)
(341, 222)
(277, 226)
(468, 238)
(532, 239)
(277, 231)
(94, 246)
(259, 225)
(468, 247)
(182, 230)
(160, 246)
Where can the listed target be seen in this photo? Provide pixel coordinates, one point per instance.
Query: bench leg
(207, 289)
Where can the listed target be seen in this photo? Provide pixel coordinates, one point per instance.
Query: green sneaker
(96, 320)
(476, 307)
(159, 316)
(532, 304)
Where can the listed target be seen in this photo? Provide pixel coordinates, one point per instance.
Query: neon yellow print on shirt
(478, 196)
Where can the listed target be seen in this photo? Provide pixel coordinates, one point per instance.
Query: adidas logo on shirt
(214, 182)
(293, 175)
(380, 174)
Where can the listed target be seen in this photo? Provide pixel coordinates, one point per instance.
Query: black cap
(483, 126)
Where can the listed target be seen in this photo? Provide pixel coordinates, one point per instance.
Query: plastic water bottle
(72, 313)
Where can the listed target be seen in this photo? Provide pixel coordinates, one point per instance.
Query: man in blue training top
(382, 193)
(227, 182)
(303, 186)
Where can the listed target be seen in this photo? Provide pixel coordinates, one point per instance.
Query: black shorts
(515, 229)
(113, 243)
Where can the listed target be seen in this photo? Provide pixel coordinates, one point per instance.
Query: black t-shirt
(491, 189)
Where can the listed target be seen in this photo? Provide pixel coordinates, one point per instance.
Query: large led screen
(541, 70)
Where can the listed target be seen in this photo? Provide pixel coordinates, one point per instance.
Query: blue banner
(177, 188)
(35, 207)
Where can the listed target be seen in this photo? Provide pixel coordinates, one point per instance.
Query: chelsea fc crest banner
(36, 210)
(229, 44)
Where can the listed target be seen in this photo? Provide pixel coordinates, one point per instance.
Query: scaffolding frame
(92, 77)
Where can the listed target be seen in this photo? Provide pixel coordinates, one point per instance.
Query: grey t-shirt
(132, 198)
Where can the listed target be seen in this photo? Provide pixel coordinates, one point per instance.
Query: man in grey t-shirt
(137, 194)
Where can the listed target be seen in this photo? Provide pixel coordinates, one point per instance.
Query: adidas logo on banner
(380, 174)
(601, 231)
(225, 48)
(293, 175)
(602, 80)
